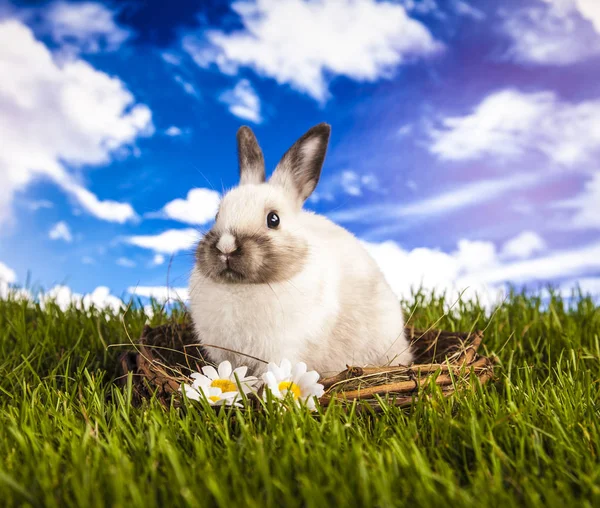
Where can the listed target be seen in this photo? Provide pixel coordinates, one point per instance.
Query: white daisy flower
(224, 377)
(214, 396)
(221, 383)
(283, 380)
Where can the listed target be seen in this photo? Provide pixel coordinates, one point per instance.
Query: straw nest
(167, 354)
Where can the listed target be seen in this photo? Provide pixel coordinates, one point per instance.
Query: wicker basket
(166, 355)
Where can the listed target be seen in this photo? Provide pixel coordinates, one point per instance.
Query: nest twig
(164, 358)
(167, 355)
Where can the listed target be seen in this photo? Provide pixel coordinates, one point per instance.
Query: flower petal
(275, 370)
(307, 380)
(190, 393)
(271, 385)
(201, 381)
(270, 379)
(286, 367)
(210, 372)
(224, 370)
(213, 391)
(249, 386)
(240, 372)
(298, 370)
(318, 390)
(247, 389)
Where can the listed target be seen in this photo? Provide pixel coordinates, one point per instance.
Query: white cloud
(465, 9)
(445, 202)
(160, 293)
(61, 231)
(524, 245)
(167, 242)
(199, 207)
(158, 260)
(586, 206)
(171, 58)
(587, 285)
(405, 130)
(101, 298)
(108, 210)
(7, 276)
(55, 116)
(588, 9)
(346, 182)
(126, 262)
(476, 267)
(243, 101)
(353, 184)
(173, 131)
(87, 27)
(554, 32)
(88, 260)
(61, 295)
(473, 255)
(39, 204)
(560, 264)
(64, 297)
(305, 44)
(509, 124)
(188, 88)
(432, 269)
(421, 6)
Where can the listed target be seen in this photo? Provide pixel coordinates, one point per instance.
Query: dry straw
(166, 355)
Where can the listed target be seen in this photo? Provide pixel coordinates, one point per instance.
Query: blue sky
(464, 147)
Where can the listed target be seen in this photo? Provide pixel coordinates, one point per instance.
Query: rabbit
(272, 280)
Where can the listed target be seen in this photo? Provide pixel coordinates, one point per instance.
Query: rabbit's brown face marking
(242, 248)
(259, 258)
(256, 237)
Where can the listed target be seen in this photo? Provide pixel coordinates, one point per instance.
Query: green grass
(69, 437)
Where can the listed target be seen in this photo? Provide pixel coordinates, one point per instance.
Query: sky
(464, 146)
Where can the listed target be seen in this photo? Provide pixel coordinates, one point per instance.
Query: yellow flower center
(291, 387)
(214, 398)
(225, 385)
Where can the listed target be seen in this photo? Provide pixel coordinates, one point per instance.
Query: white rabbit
(274, 281)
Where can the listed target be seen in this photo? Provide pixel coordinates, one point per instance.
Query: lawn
(69, 437)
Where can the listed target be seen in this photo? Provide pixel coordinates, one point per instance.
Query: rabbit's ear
(300, 168)
(250, 157)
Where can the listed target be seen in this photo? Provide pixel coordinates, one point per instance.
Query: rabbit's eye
(272, 220)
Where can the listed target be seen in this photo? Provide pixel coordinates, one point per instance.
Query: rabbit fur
(273, 281)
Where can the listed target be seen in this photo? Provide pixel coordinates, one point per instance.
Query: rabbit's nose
(226, 244)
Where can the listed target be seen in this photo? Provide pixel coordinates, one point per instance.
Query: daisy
(283, 380)
(214, 396)
(225, 378)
